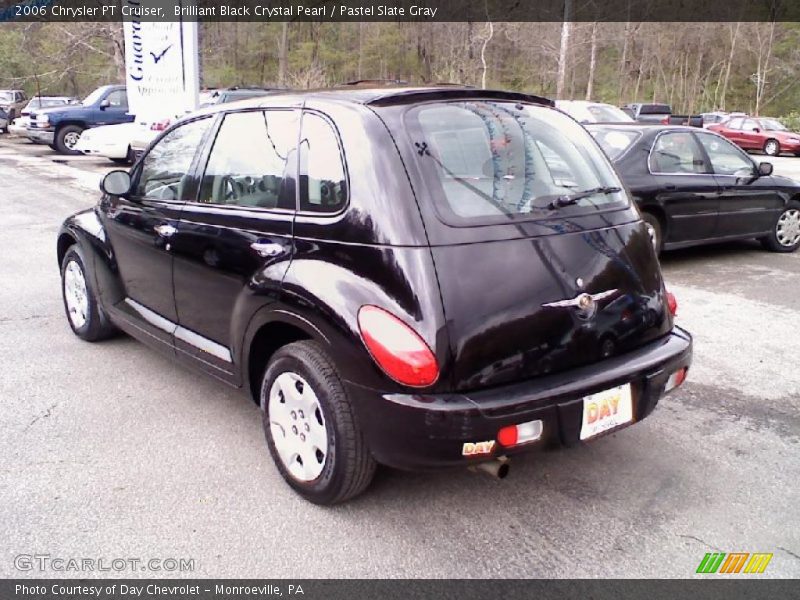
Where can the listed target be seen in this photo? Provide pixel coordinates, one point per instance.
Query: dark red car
(768, 135)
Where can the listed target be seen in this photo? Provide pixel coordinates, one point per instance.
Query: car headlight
(42, 119)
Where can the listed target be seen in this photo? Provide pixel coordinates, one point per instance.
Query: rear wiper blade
(568, 199)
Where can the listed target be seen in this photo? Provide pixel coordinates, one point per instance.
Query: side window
(726, 158)
(677, 152)
(323, 188)
(118, 99)
(165, 168)
(253, 161)
(735, 123)
(750, 125)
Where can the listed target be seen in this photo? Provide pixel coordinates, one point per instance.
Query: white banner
(161, 64)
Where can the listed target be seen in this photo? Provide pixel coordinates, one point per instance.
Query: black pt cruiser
(415, 277)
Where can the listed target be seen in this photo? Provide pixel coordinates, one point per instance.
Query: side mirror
(116, 183)
(764, 169)
(105, 104)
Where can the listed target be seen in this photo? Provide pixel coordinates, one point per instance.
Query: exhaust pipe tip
(498, 468)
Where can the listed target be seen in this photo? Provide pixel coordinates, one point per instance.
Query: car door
(733, 130)
(751, 136)
(686, 188)
(114, 108)
(749, 204)
(234, 241)
(140, 228)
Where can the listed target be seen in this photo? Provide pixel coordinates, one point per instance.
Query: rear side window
(488, 161)
(678, 152)
(252, 161)
(323, 187)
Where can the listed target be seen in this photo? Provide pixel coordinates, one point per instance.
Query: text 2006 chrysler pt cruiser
(418, 277)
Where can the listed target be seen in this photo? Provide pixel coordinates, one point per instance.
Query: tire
(772, 147)
(128, 160)
(66, 137)
(339, 463)
(84, 315)
(785, 235)
(654, 230)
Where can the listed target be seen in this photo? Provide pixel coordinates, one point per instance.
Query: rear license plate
(606, 410)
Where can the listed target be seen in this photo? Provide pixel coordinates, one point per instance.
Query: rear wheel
(653, 230)
(86, 318)
(772, 148)
(67, 138)
(311, 427)
(785, 236)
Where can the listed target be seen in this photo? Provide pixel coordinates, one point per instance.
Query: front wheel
(311, 428)
(785, 236)
(67, 138)
(85, 317)
(772, 148)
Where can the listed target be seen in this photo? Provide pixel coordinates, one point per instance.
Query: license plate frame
(606, 410)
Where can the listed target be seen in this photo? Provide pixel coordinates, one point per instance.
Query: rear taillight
(672, 304)
(160, 125)
(665, 120)
(399, 350)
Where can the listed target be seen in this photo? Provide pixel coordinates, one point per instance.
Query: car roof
(642, 127)
(380, 96)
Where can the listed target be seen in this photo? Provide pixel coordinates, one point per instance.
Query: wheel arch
(269, 331)
(65, 241)
(658, 212)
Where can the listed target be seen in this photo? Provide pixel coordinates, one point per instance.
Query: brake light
(665, 120)
(160, 125)
(397, 348)
(514, 435)
(672, 304)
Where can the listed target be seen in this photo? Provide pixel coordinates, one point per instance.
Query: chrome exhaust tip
(497, 468)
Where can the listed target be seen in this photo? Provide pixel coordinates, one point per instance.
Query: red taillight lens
(676, 379)
(665, 120)
(522, 433)
(672, 304)
(399, 350)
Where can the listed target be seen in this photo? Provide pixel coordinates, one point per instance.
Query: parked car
(147, 130)
(11, 104)
(109, 141)
(20, 124)
(3, 120)
(767, 135)
(660, 114)
(391, 277)
(593, 112)
(61, 127)
(693, 186)
(712, 118)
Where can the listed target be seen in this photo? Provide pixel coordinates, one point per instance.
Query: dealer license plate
(606, 410)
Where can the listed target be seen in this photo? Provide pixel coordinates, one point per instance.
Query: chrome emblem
(585, 303)
(579, 283)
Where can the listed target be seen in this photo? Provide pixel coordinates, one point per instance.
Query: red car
(751, 133)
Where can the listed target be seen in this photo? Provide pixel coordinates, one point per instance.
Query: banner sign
(161, 65)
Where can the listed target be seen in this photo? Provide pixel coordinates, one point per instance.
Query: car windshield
(614, 142)
(486, 159)
(772, 125)
(605, 113)
(6, 96)
(94, 96)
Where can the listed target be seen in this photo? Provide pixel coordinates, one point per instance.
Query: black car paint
(502, 355)
(700, 208)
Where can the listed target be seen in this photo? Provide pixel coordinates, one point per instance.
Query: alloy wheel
(298, 426)
(71, 139)
(771, 148)
(76, 294)
(787, 231)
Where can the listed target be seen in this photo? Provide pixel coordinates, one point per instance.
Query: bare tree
(566, 28)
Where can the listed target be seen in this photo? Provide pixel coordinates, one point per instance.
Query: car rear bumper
(42, 136)
(411, 431)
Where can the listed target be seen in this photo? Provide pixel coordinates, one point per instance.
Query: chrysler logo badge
(585, 303)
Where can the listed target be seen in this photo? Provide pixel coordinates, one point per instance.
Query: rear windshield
(605, 113)
(614, 142)
(655, 109)
(488, 162)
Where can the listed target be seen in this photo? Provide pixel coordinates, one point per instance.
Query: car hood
(782, 135)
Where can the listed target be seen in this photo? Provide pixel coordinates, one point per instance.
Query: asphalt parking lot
(110, 450)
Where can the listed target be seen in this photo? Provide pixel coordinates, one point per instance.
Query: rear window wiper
(569, 199)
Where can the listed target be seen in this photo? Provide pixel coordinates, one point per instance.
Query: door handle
(165, 230)
(267, 249)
